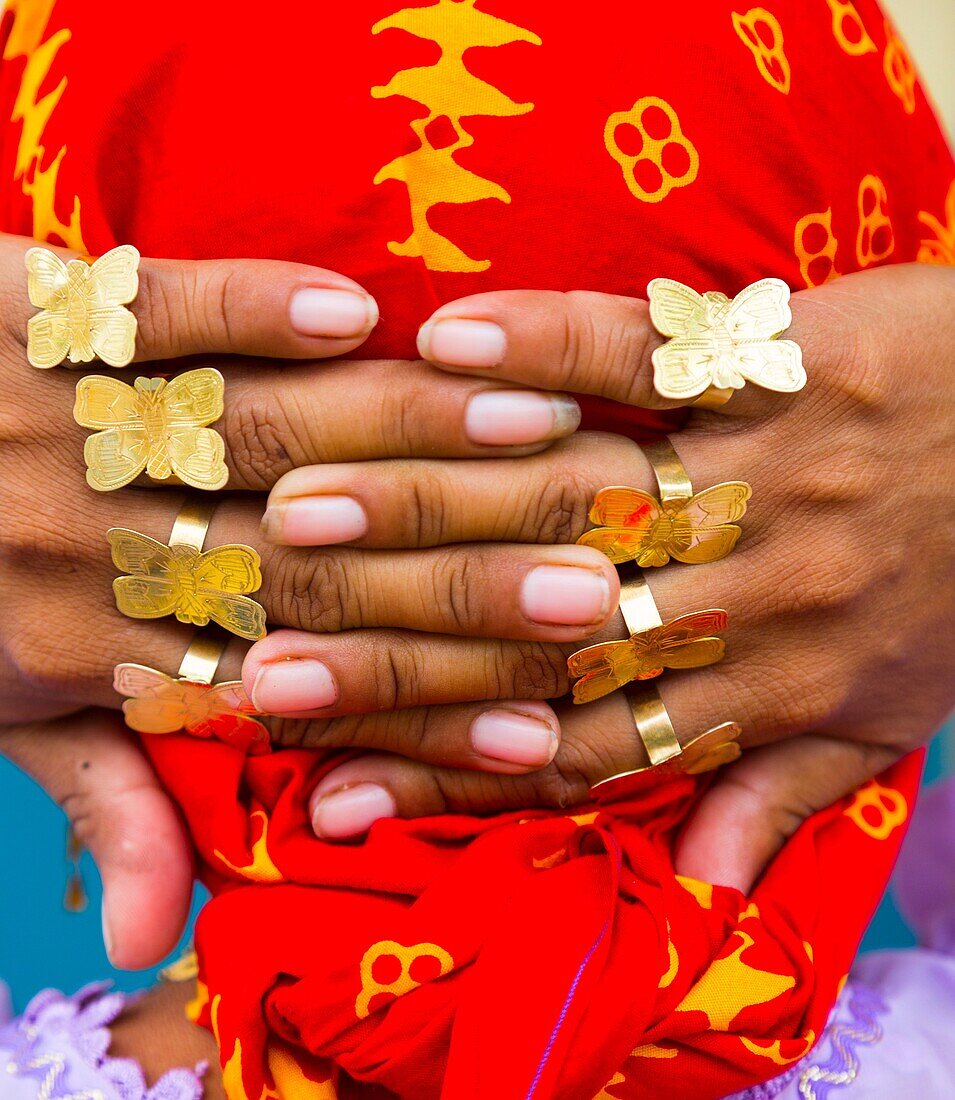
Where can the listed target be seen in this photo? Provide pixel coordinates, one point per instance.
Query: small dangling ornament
(75, 898)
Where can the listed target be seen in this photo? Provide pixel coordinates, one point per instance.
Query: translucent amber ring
(715, 345)
(668, 756)
(82, 305)
(693, 528)
(183, 580)
(156, 703)
(688, 641)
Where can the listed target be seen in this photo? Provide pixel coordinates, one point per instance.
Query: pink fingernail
(563, 595)
(514, 738)
(351, 811)
(462, 343)
(505, 418)
(321, 311)
(314, 521)
(285, 687)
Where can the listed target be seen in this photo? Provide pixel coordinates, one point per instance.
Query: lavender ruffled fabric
(58, 1049)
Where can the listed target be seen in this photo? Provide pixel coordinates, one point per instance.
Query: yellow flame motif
(232, 1080)
(39, 180)
(729, 985)
(941, 250)
(773, 1049)
(450, 92)
(261, 869)
(617, 1079)
(290, 1079)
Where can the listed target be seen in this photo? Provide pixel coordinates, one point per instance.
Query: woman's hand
(60, 633)
(840, 595)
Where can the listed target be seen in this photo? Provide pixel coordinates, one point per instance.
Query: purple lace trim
(815, 1081)
(79, 1025)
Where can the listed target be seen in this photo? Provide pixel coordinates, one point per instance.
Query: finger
(579, 341)
(360, 411)
(89, 765)
(541, 498)
(756, 804)
(511, 737)
(246, 307)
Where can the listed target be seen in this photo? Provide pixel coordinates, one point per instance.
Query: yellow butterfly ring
(668, 756)
(183, 580)
(156, 703)
(82, 305)
(716, 345)
(155, 427)
(693, 528)
(688, 641)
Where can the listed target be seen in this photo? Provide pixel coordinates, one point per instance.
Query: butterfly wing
(233, 569)
(194, 398)
(115, 458)
(47, 279)
(620, 506)
(48, 339)
(622, 544)
(237, 614)
(683, 368)
(772, 364)
(115, 276)
(196, 456)
(758, 314)
(695, 654)
(155, 703)
(103, 402)
(686, 642)
(139, 554)
(673, 307)
(149, 593)
(228, 719)
(711, 515)
(145, 597)
(602, 668)
(112, 334)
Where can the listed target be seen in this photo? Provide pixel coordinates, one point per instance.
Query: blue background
(41, 944)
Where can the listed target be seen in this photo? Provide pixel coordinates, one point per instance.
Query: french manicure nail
(507, 418)
(514, 738)
(320, 311)
(462, 343)
(350, 811)
(108, 941)
(314, 521)
(565, 595)
(285, 687)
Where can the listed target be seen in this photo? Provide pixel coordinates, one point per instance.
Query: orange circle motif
(657, 150)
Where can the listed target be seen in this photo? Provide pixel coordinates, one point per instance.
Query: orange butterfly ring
(716, 344)
(688, 641)
(183, 580)
(693, 528)
(156, 703)
(82, 305)
(668, 756)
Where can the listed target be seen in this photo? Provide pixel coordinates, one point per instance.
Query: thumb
(92, 767)
(756, 804)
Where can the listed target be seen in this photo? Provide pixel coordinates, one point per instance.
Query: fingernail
(314, 521)
(462, 343)
(108, 942)
(297, 684)
(564, 595)
(514, 738)
(319, 311)
(352, 810)
(505, 418)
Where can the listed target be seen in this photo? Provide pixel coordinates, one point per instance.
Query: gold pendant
(83, 314)
(154, 427)
(182, 580)
(156, 703)
(716, 345)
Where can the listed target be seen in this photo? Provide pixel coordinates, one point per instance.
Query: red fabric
(550, 955)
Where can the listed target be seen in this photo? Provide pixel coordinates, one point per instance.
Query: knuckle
(159, 301)
(562, 783)
(431, 505)
(829, 583)
(526, 670)
(311, 590)
(558, 514)
(258, 428)
(450, 585)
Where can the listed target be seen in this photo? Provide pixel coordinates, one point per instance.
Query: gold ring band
(155, 703)
(715, 345)
(637, 605)
(156, 429)
(693, 528)
(182, 579)
(668, 756)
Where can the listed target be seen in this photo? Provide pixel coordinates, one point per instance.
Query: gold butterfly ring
(688, 641)
(82, 307)
(183, 580)
(715, 345)
(668, 756)
(156, 703)
(693, 528)
(157, 427)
